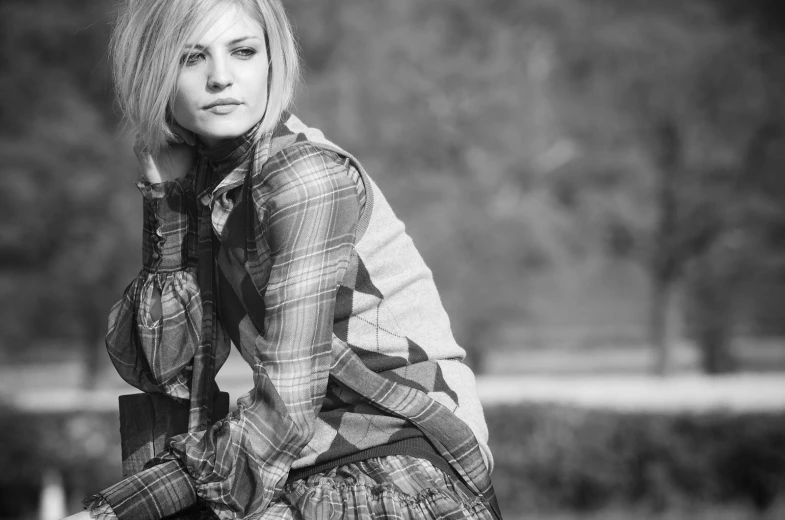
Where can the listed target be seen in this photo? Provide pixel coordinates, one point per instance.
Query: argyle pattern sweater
(323, 293)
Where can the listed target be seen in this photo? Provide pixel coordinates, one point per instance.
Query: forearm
(86, 515)
(169, 226)
(154, 329)
(153, 493)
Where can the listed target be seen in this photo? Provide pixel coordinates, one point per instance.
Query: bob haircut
(146, 49)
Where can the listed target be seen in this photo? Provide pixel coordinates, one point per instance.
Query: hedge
(549, 458)
(83, 447)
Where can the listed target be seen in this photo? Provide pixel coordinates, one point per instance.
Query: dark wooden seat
(147, 420)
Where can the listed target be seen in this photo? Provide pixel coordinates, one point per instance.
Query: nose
(219, 75)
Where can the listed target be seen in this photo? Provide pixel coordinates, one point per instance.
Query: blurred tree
(66, 202)
(509, 135)
(695, 103)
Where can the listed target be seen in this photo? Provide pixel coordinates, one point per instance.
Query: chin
(215, 127)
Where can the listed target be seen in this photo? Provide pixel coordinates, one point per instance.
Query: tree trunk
(711, 297)
(658, 324)
(476, 344)
(666, 257)
(93, 353)
(715, 346)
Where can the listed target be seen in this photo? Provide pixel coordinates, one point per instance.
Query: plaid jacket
(314, 280)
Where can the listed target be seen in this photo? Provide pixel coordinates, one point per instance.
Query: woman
(261, 233)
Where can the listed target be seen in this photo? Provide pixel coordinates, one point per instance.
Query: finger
(142, 154)
(139, 148)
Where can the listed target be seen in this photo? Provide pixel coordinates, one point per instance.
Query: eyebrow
(229, 44)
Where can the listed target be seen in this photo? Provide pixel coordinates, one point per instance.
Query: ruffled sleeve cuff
(154, 354)
(169, 231)
(155, 492)
(98, 508)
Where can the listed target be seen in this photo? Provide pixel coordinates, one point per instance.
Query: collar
(225, 165)
(230, 153)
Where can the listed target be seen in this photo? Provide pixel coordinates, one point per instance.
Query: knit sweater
(326, 297)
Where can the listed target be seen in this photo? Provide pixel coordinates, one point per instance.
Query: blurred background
(597, 186)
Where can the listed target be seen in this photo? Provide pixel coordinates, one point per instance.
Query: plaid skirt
(394, 487)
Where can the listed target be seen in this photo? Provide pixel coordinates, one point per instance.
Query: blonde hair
(146, 48)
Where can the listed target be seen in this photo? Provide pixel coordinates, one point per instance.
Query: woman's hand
(172, 162)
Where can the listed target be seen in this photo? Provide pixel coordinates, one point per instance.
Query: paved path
(55, 388)
(748, 392)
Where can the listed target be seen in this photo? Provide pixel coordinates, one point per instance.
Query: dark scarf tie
(213, 166)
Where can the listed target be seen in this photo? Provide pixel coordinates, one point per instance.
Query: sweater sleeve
(308, 210)
(153, 350)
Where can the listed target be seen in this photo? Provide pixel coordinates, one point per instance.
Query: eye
(191, 58)
(245, 53)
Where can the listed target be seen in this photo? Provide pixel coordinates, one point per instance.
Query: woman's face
(222, 86)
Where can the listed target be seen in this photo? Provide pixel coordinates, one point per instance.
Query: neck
(226, 154)
(210, 142)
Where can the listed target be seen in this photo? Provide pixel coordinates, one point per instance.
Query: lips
(221, 102)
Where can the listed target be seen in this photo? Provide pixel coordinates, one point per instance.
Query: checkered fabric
(396, 487)
(285, 248)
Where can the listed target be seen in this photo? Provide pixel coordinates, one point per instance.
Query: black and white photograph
(392, 260)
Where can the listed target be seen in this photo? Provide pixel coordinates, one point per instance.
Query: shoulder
(304, 159)
(304, 170)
